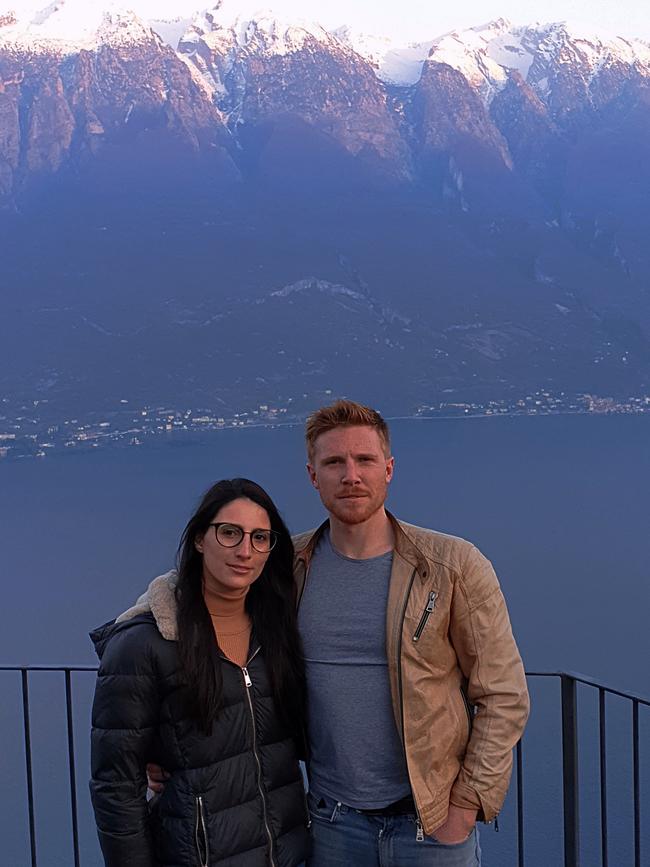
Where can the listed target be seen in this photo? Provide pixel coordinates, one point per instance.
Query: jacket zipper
(302, 589)
(306, 802)
(201, 834)
(419, 834)
(431, 604)
(248, 682)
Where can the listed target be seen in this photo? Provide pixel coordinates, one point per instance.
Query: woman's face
(228, 570)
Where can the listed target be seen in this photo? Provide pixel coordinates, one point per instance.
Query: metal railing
(570, 781)
(570, 762)
(67, 671)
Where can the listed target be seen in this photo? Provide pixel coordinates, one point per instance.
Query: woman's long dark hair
(270, 602)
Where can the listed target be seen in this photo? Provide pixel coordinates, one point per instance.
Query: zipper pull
(419, 834)
(496, 824)
(431, 604)
(247, 677)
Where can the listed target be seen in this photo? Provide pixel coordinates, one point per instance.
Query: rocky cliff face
(239, 92)
(60, 104)
(449, 112)
(264, 70)
(36, 122)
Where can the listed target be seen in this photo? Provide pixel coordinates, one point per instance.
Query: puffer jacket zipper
(249, 683)
(201, 834)
(431, 604)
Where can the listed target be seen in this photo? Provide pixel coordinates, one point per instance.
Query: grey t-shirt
(356, 755)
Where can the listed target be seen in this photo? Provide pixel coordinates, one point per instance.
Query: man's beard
(362, 509)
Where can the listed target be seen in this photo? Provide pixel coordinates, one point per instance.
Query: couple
(380, 652)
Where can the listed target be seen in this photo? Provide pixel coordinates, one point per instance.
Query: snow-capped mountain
(273, 92)
(273, 95)
(268, 70)
(69, 26)
(78, 81)
(553, 59)
(220, 42)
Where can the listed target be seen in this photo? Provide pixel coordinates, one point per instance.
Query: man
(416, 690)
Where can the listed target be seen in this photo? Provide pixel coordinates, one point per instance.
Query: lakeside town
(28, 434)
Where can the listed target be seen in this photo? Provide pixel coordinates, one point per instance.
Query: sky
(413, 20)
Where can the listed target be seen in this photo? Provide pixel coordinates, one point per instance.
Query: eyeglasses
(231, 535)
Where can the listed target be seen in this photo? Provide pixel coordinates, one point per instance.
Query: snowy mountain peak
(123, 28)
(263, 33)
(68, 25)
(488, 55)
(496, 27)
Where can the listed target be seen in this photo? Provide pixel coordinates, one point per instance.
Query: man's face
(351, 472)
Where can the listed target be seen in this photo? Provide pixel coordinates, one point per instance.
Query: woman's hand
(156, 778)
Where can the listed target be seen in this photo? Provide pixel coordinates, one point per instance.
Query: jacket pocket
(428, 610)
(468, 711)
(201, 833)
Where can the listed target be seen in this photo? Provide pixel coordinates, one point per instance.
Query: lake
(560, 504)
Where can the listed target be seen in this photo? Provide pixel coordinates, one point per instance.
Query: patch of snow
(509, 52)
(394, 62)
(171, 30)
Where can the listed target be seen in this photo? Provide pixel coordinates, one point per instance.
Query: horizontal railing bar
(590, 681)
(48, 668)
(580, 678)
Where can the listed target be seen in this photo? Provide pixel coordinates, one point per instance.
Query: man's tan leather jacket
(457, 681)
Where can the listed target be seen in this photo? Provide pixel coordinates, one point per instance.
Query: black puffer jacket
(234, 799)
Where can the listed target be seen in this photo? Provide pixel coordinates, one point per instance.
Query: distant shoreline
(180, 438)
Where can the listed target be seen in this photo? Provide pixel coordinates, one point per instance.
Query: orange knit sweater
(232, 625)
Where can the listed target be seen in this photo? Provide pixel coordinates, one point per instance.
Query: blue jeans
(344, 837)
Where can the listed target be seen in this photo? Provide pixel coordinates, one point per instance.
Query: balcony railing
(568, 682)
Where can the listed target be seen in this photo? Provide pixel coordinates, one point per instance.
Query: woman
(204, 676)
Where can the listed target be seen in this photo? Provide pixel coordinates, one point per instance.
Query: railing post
(71, 767)
(521, 856)
(636, 784)
(602, 718)
(570, 772)
(28, 766)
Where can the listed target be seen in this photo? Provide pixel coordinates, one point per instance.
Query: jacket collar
(158, 601)
(405, 546)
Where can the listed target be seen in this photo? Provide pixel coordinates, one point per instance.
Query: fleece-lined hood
(158, 601)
